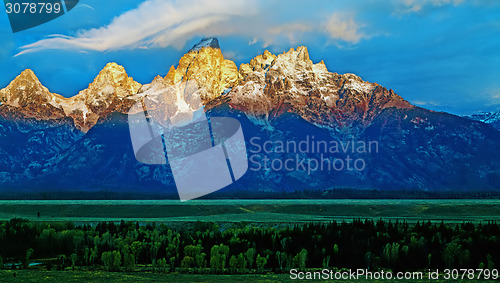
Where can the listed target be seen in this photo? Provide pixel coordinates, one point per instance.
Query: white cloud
(343, 27)
(153, 23)
(161, 23)
(292, 31)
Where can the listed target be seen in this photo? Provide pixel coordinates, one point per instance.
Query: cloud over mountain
(160, 23)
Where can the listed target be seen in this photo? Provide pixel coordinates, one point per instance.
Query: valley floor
(264, 212)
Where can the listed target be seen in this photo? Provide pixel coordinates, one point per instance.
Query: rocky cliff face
(290, 82)
(31, 99)
(109, 92)
(205, 64)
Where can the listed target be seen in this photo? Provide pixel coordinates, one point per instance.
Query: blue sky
(439, 54)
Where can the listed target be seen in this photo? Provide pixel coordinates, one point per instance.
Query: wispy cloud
(426, 103)
(292, 31)
(85, 6)
(415, 6)
(153, 23)
(343, 27)
(161, 23)
(495, 98)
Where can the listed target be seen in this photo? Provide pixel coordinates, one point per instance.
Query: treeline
(342, 193)
(349, 193)
(208, 248)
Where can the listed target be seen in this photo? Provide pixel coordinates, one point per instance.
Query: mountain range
(492, 118)
(82, 143)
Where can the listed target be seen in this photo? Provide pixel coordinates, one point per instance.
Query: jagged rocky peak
(23, 89)
(28, 75)
(259, 63)
(292, 62)
(211, 42)
(159, 80)
(205, 64)
(31, 99)
(111, 91)
(114, 75)
(298, 59)
(157, 86)
(106, 94)
(266, 87)
(291, 82)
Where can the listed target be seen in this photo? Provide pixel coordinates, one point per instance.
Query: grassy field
(254, 211)
(104, 276)
(137, 277)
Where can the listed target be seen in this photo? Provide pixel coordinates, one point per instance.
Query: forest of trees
(208, 248)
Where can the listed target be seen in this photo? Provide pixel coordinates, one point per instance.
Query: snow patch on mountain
(492, 118)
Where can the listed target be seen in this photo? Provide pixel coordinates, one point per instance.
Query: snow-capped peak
(206, 42)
